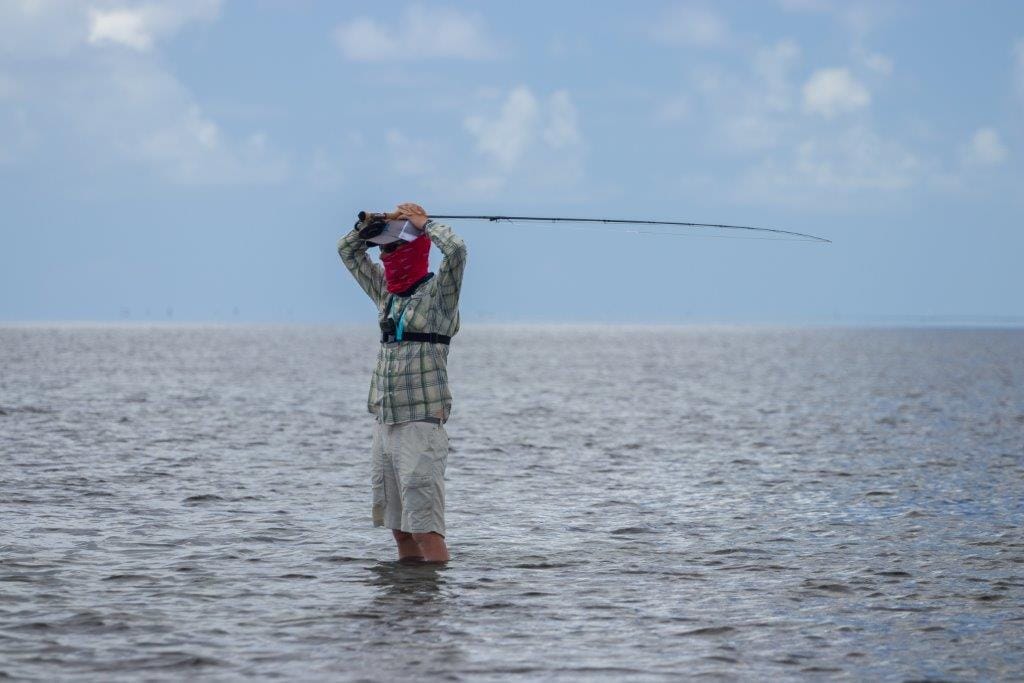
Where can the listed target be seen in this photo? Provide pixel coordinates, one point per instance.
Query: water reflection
(406, 586)
(411, 629)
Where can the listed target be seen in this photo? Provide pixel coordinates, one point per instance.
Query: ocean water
(624, 504)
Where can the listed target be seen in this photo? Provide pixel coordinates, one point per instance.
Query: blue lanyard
(400, 327)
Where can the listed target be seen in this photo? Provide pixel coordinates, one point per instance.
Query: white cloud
(858, 19)
(138, 26)
(423, 32)
(747, 118)
(746, 111)
(821, 161)
(746, 133)
(324, 172)
(861, 19)
(821, 169)
(34, 29)
(878, 63)
(985, 148)
(691, 26)
(190, 130)
(527, 145)
(523, 123)
(505, 137)
(562, 129)
(131, 110)
(830, 92)
(86, 104)
(772, 67)
(126, 27)
(411, 157)
(856, 159)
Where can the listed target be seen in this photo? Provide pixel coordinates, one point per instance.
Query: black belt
(429, 337)
(431, 420)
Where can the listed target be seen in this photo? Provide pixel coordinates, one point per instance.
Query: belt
(432, 420)
(429, 337)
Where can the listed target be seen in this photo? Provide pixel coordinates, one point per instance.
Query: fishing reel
(371, 225)
(386, 230)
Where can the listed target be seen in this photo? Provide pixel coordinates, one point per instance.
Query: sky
(197, 160)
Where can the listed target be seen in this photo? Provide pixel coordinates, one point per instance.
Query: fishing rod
(625, 221)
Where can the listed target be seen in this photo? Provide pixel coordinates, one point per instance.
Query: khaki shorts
(409, 460)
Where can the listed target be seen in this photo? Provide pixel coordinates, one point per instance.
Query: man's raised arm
(368, 274)
(449, 275)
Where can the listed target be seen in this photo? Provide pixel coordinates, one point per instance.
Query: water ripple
(624, 504)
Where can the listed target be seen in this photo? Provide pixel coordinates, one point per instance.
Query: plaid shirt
(411, 378)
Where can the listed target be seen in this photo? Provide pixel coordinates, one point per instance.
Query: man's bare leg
(432, 546)
(408, 548)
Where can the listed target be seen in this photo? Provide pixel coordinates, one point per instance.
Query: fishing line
(801, 237)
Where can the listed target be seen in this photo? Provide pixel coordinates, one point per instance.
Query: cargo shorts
(409, 460)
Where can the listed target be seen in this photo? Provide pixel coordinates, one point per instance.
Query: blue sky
(197, 160)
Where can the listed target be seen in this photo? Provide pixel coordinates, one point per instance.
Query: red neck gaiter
(406, 265)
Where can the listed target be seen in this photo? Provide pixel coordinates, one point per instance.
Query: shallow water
(641, 503)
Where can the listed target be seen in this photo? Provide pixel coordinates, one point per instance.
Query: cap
(395, 231)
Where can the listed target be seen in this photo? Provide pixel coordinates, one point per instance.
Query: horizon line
(899, 321)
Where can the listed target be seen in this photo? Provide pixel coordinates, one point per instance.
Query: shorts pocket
(377, 481)
(418, 493)
(379, 502)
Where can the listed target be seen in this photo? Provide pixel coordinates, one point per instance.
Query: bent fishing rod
(373, 224)
(629, 221)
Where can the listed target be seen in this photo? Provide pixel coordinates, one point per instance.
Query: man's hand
(413, 213)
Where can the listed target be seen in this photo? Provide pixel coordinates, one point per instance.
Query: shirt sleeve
(449, 276)
(368, 274)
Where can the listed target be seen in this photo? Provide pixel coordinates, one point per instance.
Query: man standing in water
(418, 315)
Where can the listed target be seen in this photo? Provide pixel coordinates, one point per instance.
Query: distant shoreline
(867, 323)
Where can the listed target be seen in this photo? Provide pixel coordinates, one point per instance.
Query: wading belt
(390, 332)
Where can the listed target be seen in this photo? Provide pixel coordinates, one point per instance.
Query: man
(418, 314)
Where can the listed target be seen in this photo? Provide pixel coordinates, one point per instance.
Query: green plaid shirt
(411, 378)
